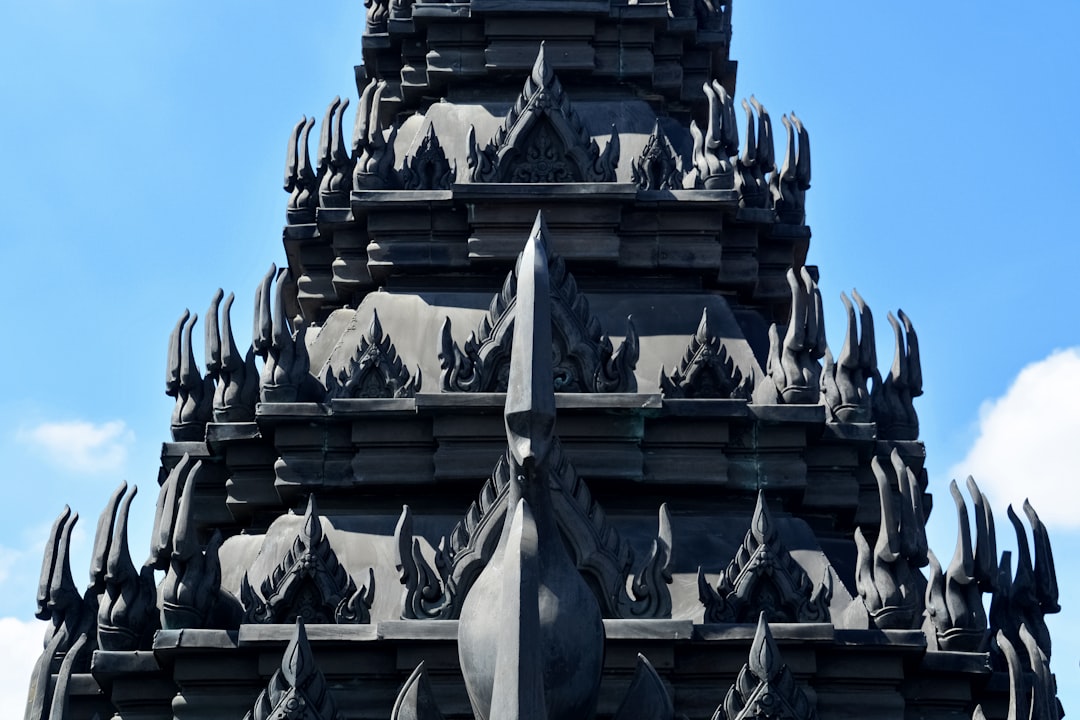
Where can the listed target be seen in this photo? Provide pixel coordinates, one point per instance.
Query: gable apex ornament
(542, 139)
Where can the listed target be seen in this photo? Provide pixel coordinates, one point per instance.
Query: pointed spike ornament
(541, 654)
(297, 689)
(765, 688)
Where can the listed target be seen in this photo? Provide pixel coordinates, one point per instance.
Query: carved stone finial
(843, 384)
(1032, 689)
(647, 698)
(378, 13)
(308, 583)
(374, 370)
(714, 148)
(416, 701)
(756, 161)
(584, 358)
(373, 147)
(765, 688)
(891, 400)
(986, 557)
(191, 593)
(658, 167)
(335, 166)
(300, 180)
(194, 394)
(428, 168)
(706, 369)
(793, 370)
(297, 689)
(542, 139)
(237, 377)
(103, 536)
(285, 376)
(127, 610)
(790, 184)
(424, 595)
(58, 599)
(763, 579)
(1026, 598)
(547, 648)
(887, 577)
(953, 600)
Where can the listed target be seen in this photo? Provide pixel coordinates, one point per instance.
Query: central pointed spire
(530, 393)
(531, 637)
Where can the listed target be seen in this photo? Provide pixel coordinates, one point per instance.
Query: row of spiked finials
(523, 151)
(233, 384)
(122, 608)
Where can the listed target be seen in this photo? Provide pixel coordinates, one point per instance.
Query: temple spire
(531, 638)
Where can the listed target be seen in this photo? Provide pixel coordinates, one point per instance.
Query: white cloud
(1027, 441)
(22, 643)
(82, 446)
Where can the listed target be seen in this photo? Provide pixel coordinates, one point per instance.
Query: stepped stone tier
(539, 420)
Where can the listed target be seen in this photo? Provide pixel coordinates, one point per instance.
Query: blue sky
(145, 147)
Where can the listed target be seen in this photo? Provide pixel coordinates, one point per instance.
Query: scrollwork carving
(428, 168)
(308, 583)
(763, 579)
(542, 139)
(374, 370)
(658, 167)
(706, 369)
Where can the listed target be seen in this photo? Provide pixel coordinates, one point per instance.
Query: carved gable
(542, 139)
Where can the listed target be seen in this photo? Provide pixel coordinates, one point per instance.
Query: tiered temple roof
(539, 418)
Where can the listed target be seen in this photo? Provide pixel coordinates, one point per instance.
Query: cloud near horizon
(1025, 444)
(82, 446)
(22, 643)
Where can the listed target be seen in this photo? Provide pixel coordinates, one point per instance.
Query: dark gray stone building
(539, 420)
